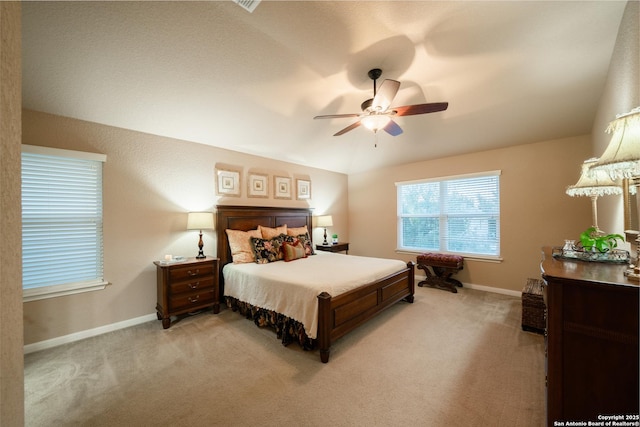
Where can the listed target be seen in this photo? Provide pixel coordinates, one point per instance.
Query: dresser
(591, 340)
(186, 287)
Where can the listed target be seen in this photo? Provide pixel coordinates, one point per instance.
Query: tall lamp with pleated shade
(621, 159)
(200, 221)
(594, 185)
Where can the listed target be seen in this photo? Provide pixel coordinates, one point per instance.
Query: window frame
(440, 215)
(56, 290)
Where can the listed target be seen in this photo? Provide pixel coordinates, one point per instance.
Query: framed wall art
(258, 185)
(304, 189)
(228, 182)
(282, 187)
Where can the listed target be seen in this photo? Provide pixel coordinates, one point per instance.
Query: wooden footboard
(341, 314)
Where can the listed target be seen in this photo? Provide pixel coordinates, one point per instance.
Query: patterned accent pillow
(240, 245)
(296, 231)
(270, 233)
(267, 250)
(306, 242)
(287, 238)
(293, 251)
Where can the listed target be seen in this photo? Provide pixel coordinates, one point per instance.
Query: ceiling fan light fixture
(376, 112)
(375, 122)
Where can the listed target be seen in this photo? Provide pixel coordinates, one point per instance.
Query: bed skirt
(287, 329)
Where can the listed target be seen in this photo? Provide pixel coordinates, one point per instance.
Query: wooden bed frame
(336, 315)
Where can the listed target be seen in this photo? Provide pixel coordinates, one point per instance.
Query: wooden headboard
(249, 218)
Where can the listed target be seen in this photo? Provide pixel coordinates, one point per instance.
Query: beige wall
(11, 359)
(150, 183)
(535, 210)
(621, 94)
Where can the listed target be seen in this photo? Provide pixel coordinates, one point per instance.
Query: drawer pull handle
(194, 285)
(194, 299)
(193, 273)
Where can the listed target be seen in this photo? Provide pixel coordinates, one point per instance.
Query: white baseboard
(54, 342)
(482, 288)
(77, 336)
(494, 290)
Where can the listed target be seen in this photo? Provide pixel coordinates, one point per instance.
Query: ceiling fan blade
(410, 110)
(348, 128)
(384, 95)
(336, 116)
(392, 128)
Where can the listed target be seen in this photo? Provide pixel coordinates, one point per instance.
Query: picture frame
(228, 182)
(282, 187)
(303, 189)
(258, 185)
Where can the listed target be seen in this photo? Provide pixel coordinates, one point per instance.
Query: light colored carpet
(445, 360)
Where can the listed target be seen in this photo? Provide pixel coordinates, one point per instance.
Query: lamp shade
(324, 221)
(593, 183)
(621, 159)
(200, 221)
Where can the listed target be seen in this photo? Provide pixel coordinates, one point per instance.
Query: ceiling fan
(376, 113)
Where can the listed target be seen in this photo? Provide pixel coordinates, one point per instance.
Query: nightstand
(338, 247)
(187, 286)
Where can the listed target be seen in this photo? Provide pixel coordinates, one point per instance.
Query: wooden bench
(439, 268)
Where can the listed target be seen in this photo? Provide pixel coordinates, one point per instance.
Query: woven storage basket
(533, 308)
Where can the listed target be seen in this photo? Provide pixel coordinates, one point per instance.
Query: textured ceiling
(213, 73)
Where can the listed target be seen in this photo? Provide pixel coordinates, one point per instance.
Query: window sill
(34, 294)
(470, 257)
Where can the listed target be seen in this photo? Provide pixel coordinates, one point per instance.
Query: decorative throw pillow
(306, 242)
(293, 251)
(288, 238)
(296, 231)
(270, 233)
(240, 245)
(267, 250)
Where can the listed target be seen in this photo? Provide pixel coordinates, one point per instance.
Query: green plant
(592, 239)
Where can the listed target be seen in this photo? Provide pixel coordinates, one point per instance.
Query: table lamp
(621, 159)
(324, 221)
(200, 221)
(594, 185)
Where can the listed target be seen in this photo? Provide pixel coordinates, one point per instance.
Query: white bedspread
(291, 288)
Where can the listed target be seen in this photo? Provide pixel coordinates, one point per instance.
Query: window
(458, 215)
(61, 222)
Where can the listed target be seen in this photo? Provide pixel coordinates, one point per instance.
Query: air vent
(249, 5)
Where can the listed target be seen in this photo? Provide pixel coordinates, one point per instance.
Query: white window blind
(452, 215)
(62, 246)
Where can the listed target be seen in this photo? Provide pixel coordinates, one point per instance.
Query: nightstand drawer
(191, 271)
(192, 285)
(196, 300)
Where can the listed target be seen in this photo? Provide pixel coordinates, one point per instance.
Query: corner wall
(535, 211)
(11, 357)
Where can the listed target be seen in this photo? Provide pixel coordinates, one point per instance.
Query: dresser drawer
(191, 271)
(195, 300)
(197, 283)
